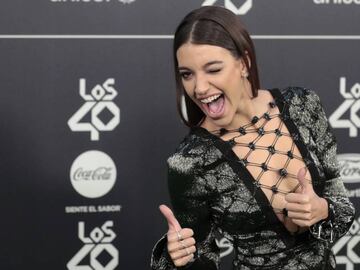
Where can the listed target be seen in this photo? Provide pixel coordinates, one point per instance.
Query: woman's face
(214, 79)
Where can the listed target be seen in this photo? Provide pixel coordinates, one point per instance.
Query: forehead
(200, 54)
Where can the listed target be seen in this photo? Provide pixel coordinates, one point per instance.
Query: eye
(214, 70)
(185, 75)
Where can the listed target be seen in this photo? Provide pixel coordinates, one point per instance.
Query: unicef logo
(93, 174)
(244, 7)
(337, 2)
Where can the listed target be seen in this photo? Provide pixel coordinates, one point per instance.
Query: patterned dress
(213, 191)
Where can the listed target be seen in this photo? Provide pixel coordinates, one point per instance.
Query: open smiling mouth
(214, 105)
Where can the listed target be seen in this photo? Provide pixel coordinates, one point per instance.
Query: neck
(245, 114)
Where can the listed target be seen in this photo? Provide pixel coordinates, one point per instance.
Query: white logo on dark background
(346, 250)
(89, 1)
(338, 2)
(93, 174)
(100, 99)
(351, 106)
(98, 242)
(241, 10)
(349, 167)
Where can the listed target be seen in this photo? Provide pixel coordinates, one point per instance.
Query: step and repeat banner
(88, 118)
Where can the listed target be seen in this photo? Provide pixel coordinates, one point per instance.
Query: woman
(259, 166)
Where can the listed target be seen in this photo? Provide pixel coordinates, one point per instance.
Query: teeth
(210, 99)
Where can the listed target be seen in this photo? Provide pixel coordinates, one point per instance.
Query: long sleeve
(341, 210)
(190, 198)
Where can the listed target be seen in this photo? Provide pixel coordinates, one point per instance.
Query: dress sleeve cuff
(323, 230)
(160, 258)
(331, 210)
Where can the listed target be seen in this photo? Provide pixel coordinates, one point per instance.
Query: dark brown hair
(219, 27)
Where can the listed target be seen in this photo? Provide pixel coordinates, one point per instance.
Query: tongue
(216, 105)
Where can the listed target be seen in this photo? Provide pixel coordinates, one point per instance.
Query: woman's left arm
(328, 212)
(340, 210)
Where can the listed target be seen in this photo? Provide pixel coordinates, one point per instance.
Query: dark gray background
(161, 17)
(40, 92)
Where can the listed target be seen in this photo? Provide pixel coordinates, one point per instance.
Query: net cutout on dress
(260, 131)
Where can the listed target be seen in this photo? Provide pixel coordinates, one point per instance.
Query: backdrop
(88, 118)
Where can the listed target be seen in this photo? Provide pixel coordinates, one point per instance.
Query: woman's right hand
(180, 243)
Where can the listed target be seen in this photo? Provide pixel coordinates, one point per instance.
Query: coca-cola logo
(93, 174)
(101, 173)
(350, 167)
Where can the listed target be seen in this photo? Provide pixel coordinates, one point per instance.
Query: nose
(201, 86)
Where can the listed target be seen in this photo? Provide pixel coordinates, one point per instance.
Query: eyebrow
(206, 65)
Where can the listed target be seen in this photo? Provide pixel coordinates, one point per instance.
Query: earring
(245, 74)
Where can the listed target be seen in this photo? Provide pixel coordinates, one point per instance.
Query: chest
(268, 158)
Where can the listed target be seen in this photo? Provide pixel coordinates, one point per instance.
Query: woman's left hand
(305, 207)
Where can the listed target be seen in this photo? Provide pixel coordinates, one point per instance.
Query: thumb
(171, 220)
(304, 183)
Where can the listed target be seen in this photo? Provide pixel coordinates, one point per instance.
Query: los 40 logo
(98, 241)
(347, 114)
(244, 5)
(100, 98)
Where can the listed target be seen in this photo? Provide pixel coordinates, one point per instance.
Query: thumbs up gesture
(181, 244)
(305, 207)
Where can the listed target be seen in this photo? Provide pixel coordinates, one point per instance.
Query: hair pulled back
(216, 26)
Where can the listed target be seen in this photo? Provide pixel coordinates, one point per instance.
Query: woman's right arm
(190, 195)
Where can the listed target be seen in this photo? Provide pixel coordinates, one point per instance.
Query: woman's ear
(243, 68)
(248, 58)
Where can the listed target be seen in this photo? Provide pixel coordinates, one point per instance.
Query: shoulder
(193, 153)
(301, 100)
(185, 165)
(297, 95)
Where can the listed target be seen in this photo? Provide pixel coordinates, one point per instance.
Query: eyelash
(185, 75)
(215, 70)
